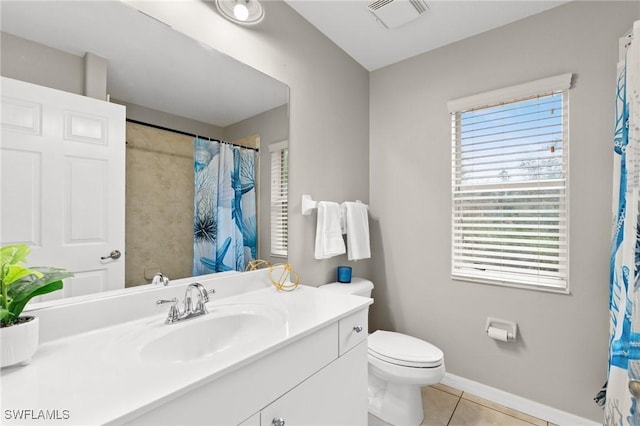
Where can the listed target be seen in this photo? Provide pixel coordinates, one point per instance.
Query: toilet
(399, 365)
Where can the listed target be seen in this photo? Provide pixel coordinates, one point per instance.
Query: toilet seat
(403, 350)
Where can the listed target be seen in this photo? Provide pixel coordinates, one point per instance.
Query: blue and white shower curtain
(622, 407)
(225, 223)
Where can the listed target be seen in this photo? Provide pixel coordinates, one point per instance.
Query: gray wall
(328, 109)
(170, 121)
(561, 357)
(28, 61)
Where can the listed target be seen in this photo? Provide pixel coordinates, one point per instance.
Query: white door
(62, 183)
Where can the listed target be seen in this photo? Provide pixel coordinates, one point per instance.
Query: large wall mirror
(175, 89)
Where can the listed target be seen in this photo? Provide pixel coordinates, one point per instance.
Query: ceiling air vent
(393, 13)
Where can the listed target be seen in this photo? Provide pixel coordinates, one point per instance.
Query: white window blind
(279, 198)
(509, 192)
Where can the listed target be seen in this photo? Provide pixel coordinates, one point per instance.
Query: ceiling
(139, 68)
(351, 26)
(140, 73)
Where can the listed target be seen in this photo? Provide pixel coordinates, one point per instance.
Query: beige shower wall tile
(159, 204)
(160, 141)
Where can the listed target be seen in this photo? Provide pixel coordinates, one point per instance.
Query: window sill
(543, 288)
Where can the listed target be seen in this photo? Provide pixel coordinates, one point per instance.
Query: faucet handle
(174, 314)
(203, 298)
(160, 278)
(206, 293)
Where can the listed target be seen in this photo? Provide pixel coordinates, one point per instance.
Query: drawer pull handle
(277, 422)
(358, 328)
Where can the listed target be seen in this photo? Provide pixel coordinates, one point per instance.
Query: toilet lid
(400, 349)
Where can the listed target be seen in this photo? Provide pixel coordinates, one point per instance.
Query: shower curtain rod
(180, 132)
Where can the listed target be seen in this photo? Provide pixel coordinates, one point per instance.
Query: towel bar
(309, 204)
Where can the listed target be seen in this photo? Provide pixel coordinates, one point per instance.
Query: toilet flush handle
(358, 328)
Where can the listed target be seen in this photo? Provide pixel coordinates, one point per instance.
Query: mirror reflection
(182, 100)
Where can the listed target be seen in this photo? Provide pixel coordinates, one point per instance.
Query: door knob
(277, 422)
(115, 254)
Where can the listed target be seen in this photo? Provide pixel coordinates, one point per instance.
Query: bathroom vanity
(259, 357)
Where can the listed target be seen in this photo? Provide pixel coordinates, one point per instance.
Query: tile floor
(446, 406)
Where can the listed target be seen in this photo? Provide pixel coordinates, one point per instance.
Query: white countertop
(96, 377)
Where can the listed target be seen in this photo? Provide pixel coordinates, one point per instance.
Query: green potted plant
(18, 285)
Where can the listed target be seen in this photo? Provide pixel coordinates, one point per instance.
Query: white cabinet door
(252, 421)
(335, 395)
(62, 183)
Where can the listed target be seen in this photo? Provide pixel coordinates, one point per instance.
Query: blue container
(344, 274)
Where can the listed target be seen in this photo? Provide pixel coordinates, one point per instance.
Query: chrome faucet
(160, 278)
(189, 310)
(202, 298)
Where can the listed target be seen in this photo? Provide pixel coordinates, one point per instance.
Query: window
(509, 186)
(279, 200)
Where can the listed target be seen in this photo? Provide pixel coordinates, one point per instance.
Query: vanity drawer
(353, 330)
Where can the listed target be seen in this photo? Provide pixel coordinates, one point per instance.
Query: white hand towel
(329, 241)
(356, 224)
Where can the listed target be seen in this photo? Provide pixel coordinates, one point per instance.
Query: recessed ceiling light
(241, 11)
(244, 12)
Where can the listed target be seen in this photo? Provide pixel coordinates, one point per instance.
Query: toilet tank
(357, 286)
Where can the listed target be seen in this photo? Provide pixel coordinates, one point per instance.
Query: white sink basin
(224, 328)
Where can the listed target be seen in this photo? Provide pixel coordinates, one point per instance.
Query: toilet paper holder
(496, 328)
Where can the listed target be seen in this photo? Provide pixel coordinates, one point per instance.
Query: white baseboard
(515, 402)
